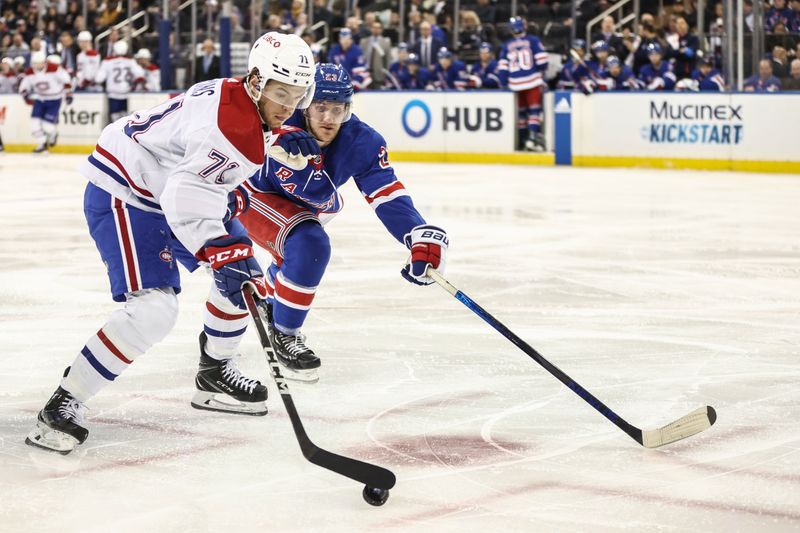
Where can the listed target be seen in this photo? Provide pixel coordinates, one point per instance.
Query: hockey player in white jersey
(87, 64)
(158, 195)
(121, 74)
(152, 74)
(8, 76)
(44, 86)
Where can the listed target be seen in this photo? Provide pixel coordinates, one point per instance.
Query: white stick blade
(691, 424)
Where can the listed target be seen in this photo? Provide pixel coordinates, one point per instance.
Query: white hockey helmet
(19, 61)
(143, 53)
(38, 58)
(84, 36)
(54, 59)
(284, 58)
(120, 48)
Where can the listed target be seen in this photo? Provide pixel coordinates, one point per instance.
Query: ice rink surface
(658, 291)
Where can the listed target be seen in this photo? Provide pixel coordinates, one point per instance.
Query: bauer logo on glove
(428, 245)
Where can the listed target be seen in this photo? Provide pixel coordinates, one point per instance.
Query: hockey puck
(373, 496)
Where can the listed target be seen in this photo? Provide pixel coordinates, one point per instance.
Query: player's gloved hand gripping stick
(691, 424)
(231, 258)
(428, 245)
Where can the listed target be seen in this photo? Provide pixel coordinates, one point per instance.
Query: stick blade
(691, 424)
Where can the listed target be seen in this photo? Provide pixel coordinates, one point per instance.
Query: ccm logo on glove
(223, 256)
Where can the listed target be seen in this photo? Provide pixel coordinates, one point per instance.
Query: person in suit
(207, 64)
(427, 45)
(69, 52)
(377, 50)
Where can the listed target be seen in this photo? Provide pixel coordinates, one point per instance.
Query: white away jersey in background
(152, 78)
(87, 65)
(50, 83)
(120, 74)
(182, 157)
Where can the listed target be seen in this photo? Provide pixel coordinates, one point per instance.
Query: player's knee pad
(148, 316)
(310, 239)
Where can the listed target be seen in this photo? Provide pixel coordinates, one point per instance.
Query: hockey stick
(691, 424)
(372, 476)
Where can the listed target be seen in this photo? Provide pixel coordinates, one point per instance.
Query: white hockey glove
(428, 245)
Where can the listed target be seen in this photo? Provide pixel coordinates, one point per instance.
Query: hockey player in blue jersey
(449, 72)
(621, 76)
(417, 78)
(351, 57)
(523, 62)
(398, 69)
(658, 75)
(293, 197)
(574, 74)
(707, 77)
(484, 72)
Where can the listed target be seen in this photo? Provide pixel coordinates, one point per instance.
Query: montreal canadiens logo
(165, 255)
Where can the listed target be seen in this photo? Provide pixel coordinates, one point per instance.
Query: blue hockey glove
(238, 203)
(296, 141)
(428, 245)
(233, 263)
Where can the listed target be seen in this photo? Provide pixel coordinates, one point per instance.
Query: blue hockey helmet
(333, 86)
(345, 32)
(413, 59)
(654, 48)
(402, 46)
(578, 44)
(486, 47)
(613, 61)
(599, 46)
(516, 25)
(444, 53)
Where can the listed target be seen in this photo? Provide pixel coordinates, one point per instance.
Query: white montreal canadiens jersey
(182, 157)
(50, 83)
(152, 78)
(87, 65)
(120, 74)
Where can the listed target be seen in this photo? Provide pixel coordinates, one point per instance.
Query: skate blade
(50, 439)
(302, 376)
(222, 403)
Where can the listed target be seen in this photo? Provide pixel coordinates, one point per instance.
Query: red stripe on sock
(113, 349)
(291, 295)
(222, 314)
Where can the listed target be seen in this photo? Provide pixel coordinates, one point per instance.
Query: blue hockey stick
(691, 424)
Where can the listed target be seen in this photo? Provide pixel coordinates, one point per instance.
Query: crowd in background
(662, 52)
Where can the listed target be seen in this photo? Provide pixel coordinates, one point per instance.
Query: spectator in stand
(357, 29)
(19, 48)
(471, 36)
(618, 77)
(69, 52)
(377, 51)
(658, 75)
(792, 83)
(349, 55)
(574, 75)
(437, 31)
(484, 72)
(152, 74)
(486, 11)
(322, 14)
(108, 49)
(780, 62)
(87, 64)
(414, 34)
(764, 81)
(708, 78)
(616, 46)
(110, 15)
(449, 72)
(683, 51)
(795, 28)
(273, 23)
(427, 45)
(779, 14)
(207, 64)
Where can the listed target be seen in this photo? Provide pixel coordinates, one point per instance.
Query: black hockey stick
(691, 424)
(374, 477)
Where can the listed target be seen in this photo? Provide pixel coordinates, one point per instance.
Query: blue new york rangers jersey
(419, 81)
(713, 81)
(624, 81)
(358, 151)
(522, 63)
(453, 77)
(487, 74)
(660, 78)
(353, 62)
(573, 75)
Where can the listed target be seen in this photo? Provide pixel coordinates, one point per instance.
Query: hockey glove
(68, 99)
(296, 141)
(233, 263)
(238, 203)
(428, 245)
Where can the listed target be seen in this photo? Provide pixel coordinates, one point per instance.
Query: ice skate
(58, 426)
(41, 149)
(221, 387)
(535, 144)
(52, 142)
(297, 359)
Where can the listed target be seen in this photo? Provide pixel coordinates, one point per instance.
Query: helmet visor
(329, 112)
(284, 94)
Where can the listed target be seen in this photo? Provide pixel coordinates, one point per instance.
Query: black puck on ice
(373, 496)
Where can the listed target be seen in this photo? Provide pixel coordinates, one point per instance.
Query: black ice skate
(299, 361)
(58, 428)
(42, 148)
(52, 143)
(221, 387)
